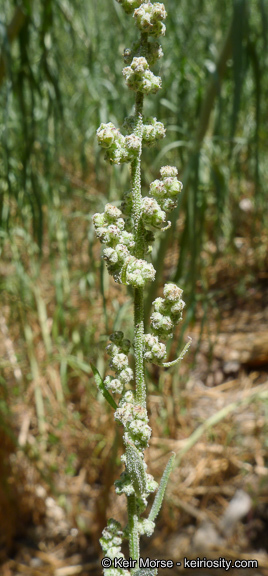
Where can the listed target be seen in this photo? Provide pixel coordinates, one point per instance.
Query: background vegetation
(60, 77)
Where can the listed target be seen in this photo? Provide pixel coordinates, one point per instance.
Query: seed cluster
(168, 312)
(118, 350)
(118, 148)
(121, 263)
(139, 77)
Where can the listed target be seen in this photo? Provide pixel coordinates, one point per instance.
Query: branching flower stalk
(128, 234)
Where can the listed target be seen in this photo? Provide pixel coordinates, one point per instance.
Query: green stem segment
(139, 253)
(134, 541)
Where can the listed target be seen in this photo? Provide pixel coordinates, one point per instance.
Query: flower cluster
(154, 351)
(124, 267)
(168, 311)
(135, 421)
(125, 486)
(149, 18)
(111, 542)
(118, 350)
(139, 77)
(152, 130)
(163, 197)
(118, 148)
(166, 190)
(127, 233)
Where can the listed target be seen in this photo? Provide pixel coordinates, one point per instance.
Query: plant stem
(139, 253)
(134, 543)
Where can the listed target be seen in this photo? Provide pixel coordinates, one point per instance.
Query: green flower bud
(168, 171)
(117, 337)
(122, 252)
(127, 239)
(160, 305)
(125, 376)
(110, 236)
(152, 485)
(124, 485)
(151, 213)
(112, 214)
(114, 552)
(112, 349)
(116, 386)
(154, 350)
(130, 5)
(114, 526)
(165, 191)
(138, 272)
(123, 414)
(125, 346)
(110, 255)
(107, 135)
(140, 413)
(132, 145)
(172, 292)
(99, 220)
(172, 186)
(146, 526)
(149, 18)
(152, 131)
(139, 78)
(127, 397)
(162, 325)
(140, 431)
(119, 361)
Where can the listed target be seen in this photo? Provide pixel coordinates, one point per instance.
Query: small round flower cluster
(139, 77)
(165, 191)
(168, 311)
(124, 267)
(111, 542)
(118, 350)
(138, 272)
(152, 130)
(135, 421)
(154, 351)
(149, 18)
(130, 5)
(163, 198)
(124, 486)
(152, 51)
(152, 214)
(118, 148)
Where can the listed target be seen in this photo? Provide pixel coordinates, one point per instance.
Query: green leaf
(135, 468)
(161, 490)
(101, 387)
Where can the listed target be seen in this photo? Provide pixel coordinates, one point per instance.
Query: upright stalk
(128, 235)
(139, 254)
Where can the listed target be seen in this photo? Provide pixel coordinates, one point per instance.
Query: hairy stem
(134, 544)
(139, 253)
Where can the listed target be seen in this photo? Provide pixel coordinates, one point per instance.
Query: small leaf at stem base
(101, 387)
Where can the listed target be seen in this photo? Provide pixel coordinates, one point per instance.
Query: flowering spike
(127, 234)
